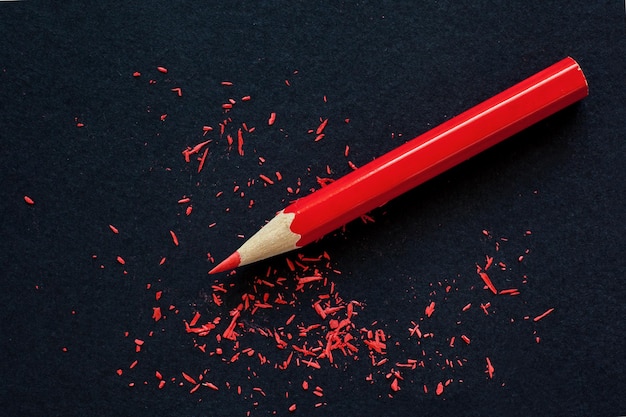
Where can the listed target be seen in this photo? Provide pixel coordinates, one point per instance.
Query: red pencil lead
(232, 262)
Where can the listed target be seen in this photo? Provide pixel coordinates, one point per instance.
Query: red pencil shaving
(414, 163)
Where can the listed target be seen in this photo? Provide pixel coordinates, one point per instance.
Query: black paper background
(395, 69)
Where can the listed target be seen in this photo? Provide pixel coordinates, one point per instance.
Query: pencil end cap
(229, 263)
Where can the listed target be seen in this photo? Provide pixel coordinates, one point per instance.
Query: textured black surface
(392, 68)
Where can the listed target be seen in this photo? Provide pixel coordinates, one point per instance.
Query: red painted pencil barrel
(438, 150)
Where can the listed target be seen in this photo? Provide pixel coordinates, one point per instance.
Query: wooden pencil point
(274, 238)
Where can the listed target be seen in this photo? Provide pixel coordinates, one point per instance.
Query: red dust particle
(202, 160)
(321, 127)
(267, 179)
(487, 281)
(490, 368)
(189, 378)
(211, 385)
(162, 69)
(174, 238)
(430, 309)
(113, 229)
(156, 313)
(394, 385)
(29, 200)
(240, 142)
(539, 317)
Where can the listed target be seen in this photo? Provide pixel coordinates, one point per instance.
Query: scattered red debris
(162, 70)
(296, 308)
(29, 200)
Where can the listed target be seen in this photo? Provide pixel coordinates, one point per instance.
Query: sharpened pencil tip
(231, 262)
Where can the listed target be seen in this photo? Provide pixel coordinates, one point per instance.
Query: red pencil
(415, 162)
